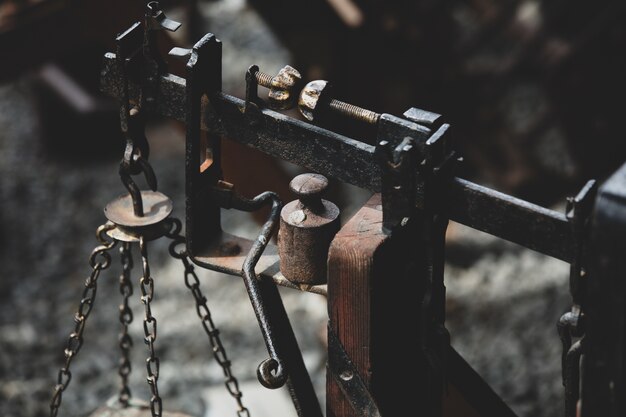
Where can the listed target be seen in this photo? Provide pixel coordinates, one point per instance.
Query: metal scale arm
(199, 102)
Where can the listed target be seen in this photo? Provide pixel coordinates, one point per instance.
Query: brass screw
(315, 96)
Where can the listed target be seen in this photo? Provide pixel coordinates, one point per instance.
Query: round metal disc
(132, 235)
(156, 207)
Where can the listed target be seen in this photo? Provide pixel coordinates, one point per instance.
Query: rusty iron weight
(307, 226)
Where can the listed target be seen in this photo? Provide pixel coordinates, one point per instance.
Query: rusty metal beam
(354, 162)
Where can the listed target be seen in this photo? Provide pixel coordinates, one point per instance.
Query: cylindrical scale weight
(307, 227)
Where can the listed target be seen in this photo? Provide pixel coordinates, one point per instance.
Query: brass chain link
(126, 317)
(219, 353)
(146, 284)
(75, 340)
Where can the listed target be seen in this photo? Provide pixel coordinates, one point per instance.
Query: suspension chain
(75, 340)
(126, 317)
(146, 284)
(219, 353)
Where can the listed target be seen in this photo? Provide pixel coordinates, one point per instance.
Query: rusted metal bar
(318, 149)
(535, 227)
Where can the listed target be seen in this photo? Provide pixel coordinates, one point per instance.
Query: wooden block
(373, 285)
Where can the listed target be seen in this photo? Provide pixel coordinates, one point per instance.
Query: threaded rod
(263, 79)
(354, 112)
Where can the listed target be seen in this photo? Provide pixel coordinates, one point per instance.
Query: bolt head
(283, 91)
(312, 98)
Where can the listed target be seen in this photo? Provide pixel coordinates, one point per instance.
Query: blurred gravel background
(503, 300)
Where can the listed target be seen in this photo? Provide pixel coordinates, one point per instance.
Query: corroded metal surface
(227, 253)
(313, 99)
(157, 207)
(307, 226)
(316, 99)
(296, 141)
(283, 87)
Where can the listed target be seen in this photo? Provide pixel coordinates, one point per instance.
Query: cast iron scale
(386, 264)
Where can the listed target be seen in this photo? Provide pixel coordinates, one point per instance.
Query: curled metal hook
(271, 372)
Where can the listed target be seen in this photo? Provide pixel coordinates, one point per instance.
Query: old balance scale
(381, 271)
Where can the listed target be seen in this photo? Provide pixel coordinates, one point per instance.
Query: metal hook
(136, 142)
(135, 193)
(271, 372)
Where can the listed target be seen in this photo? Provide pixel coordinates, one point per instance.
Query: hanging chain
(219, 353)
(75, 340)
(146, 284)
(126, 317)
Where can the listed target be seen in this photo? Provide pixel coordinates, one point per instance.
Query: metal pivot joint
(307, 227)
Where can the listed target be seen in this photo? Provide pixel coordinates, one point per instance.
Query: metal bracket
(407, 184)
(347, 376)
(578, 213)
(251, 109)
(203, 168)
(424, 117)
(398, 169)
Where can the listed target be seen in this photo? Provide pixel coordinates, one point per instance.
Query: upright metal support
(203, 161)
(604, 367)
